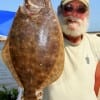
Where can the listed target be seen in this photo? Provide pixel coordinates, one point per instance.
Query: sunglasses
(69, 8)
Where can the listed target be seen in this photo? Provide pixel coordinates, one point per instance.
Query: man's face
(74, 18)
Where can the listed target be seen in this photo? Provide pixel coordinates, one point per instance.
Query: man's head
(73, 16)
(86, 2)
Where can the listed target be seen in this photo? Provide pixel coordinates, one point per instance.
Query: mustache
(70, 19)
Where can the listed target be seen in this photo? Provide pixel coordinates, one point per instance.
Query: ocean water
(6, 77)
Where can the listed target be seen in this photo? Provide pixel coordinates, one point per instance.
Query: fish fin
(7, 60)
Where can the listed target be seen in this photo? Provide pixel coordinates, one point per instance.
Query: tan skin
(97, 79)
(75, 3)
(79, 38)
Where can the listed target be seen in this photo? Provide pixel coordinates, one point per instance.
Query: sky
(94, 18)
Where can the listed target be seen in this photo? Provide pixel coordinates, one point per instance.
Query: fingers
(39, 94)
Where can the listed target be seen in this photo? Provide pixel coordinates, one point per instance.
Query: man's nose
(74, 14)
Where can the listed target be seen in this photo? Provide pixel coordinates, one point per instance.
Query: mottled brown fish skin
(36, 50)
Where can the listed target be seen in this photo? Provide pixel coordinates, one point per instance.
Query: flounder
(34, 50)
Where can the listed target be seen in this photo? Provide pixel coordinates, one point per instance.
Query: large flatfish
(34, 50)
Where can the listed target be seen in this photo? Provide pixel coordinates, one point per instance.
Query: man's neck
(73, 39)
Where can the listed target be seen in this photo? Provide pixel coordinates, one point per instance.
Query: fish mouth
(31, 8)
(34, 7)
(29, 4)
(36, 4)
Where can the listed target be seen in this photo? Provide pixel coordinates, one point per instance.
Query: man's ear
(59, 10)
(88, 13)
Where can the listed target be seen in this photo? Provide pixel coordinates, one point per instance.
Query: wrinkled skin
(34, 50)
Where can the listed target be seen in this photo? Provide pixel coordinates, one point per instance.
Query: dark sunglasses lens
(82, 9)
(68, 8)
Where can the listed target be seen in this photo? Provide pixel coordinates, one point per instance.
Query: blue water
(6, 77)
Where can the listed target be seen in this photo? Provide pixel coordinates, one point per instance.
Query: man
(82, 54)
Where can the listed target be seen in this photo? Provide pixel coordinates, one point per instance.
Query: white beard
(81, 27)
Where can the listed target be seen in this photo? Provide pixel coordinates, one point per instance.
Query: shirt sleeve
(96, 45)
